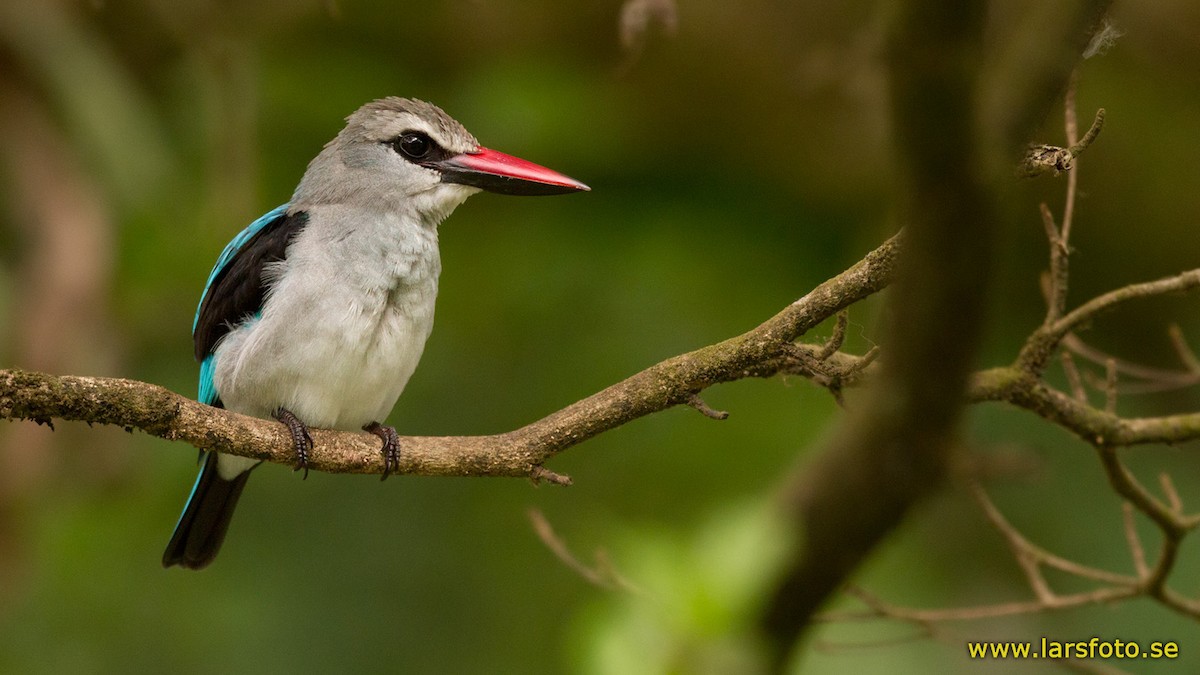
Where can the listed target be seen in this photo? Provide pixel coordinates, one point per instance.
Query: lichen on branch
(43, 397)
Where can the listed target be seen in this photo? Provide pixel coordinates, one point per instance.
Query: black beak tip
(508, 185)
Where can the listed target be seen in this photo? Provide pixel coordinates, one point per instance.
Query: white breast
(344, 325)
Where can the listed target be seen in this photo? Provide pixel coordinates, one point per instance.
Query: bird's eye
(413, 145)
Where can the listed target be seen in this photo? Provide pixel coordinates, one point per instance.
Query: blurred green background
(734, 165)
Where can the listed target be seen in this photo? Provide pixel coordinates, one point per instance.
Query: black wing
(236, 286)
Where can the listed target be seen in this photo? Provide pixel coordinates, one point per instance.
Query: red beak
(497, 172)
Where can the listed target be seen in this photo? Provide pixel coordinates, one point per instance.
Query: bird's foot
(302, 442)
(390, 449)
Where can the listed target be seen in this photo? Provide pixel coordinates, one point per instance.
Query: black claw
(390, 449)
(302, 442)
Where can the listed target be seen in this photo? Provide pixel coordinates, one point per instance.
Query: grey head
(407, 155)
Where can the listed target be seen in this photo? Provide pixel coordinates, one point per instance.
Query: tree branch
(1021, 384)
(1041, 345)
(137, 405)
(1094, 425)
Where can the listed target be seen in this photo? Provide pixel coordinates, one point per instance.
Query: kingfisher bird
(317, 313)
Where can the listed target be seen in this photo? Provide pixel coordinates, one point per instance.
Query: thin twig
(1090, 136)
(1056, 280)
(1136, 551)
(1022, 547)
(1073, 379)
(836, 338)
(1164, 377)
(1172, 495)
(1072, 129)
(1186, 356)
(1110, 387)
(603, 575)
(1023, 551)
(880, 609)
(1184, 281)
(854, 369)
(541, 473)
(1126, 485)
(698, 403)
(1040, 346)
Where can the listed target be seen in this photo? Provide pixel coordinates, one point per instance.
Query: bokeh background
(736, 161)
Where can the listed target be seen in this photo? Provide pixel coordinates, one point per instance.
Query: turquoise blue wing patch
(232, 248)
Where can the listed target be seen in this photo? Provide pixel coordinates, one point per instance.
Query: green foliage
(695, 604)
